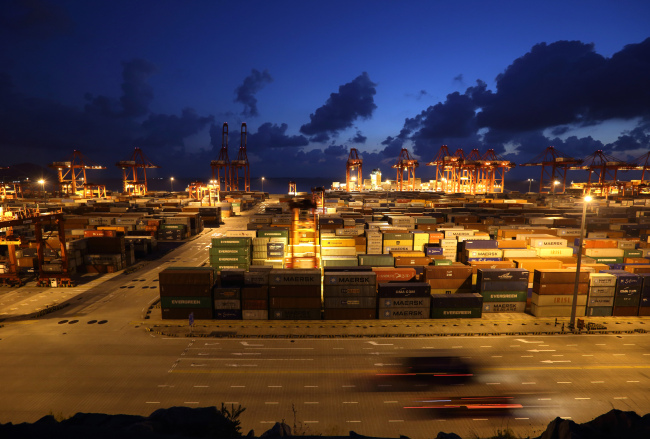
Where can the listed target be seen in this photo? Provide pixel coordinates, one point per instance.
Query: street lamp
(574, 305)
(171, 183)
(262, 184)
(530, 183)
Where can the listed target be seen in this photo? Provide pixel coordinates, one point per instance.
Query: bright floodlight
(556, 182)
(588, 199)
(41, 181)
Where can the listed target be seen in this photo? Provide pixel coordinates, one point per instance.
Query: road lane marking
(597, 382)
(572, 345)
(618, 355)
(238, 386)
(486, 346)
(587, 355)
(529, 341)
(543, 399)
(311, 386)
(350, 402)
(202, 386)
(582, 398)
(528, 383)
(564, 382)
(629, 344)
(557, 355)
(374, 343)
(620, 397)
(526, 356)
(396, 420)
(632, 381)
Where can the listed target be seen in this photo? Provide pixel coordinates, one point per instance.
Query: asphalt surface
(100, 353)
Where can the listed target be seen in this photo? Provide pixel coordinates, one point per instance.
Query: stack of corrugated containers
(551, 247)
(644, 306)
(449, 279)
(404, 300)
(185, 290)
(105, 254)
(227, 295)
(602, 289)
(397, 242)
(295, 294)
(503, 289)
(553, 292)
(453, 306)
(230, 252)
(255, 294)
(628, 293)
(350, 295)
(338, 251)
(480, 251)
(604, 251)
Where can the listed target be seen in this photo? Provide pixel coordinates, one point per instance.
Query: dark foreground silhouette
(210, 422)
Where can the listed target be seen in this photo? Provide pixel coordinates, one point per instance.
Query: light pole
(42, 183)
(262, 184)
(530, 183)
(171, 183)
(574, 305)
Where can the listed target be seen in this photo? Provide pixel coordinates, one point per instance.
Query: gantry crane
(72, 179)
(134, 173)
(241, 162)
(354, 162)
(470, 167)
(447, 169)
(642, 164)
(408, 164)
(602, 170)
(292, 188)
(493, 172)
(558, 163)
(222, 163)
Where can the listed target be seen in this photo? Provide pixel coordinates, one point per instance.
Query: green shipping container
(609, 260)
(186, 302)
(632, 253)
(281, 233)
(229, 259)
(340, 262)
(376, 260)
(173, 226)
(442, 262)
(504, 296)
(235, 241)
(455, 313)
(229, 251)
(398, 237)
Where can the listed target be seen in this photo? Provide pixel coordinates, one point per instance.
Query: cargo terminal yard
(334, 308)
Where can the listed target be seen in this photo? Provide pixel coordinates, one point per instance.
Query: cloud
(567, 82)
(553, 88)
(358, 138)
(246, 92)
(270, 135)
(49, 130)
(354, 100)
(336, 151)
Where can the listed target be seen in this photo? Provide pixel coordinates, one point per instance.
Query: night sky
(314, 79)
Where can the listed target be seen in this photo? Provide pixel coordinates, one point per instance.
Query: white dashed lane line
(582, 398)
(564, 382)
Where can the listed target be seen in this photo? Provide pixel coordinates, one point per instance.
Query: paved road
(95, 356)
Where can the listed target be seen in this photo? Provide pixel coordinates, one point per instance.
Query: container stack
(397, 242)
(553, 292)
(185, 290)
(230, 252)
(350, 295)
(404, 300)
(644, 306)
(453, 306)
(503, 289)
(602, 289)
(628, 293)
(295, 294)
(449, 279)
(255, 294)
(227, 296)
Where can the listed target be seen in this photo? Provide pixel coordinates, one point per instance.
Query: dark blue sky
(313, 79)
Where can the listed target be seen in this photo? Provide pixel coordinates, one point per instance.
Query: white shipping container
(568, 232)
(602, 291)
(519, 253)
(626, 244)
(553, 242)
(458, 232)
(602, 280)
(557, 299)
(338, 251)
(555, 311)
(605, 252)
(241, 233)
(545, 252)
(487, 253)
